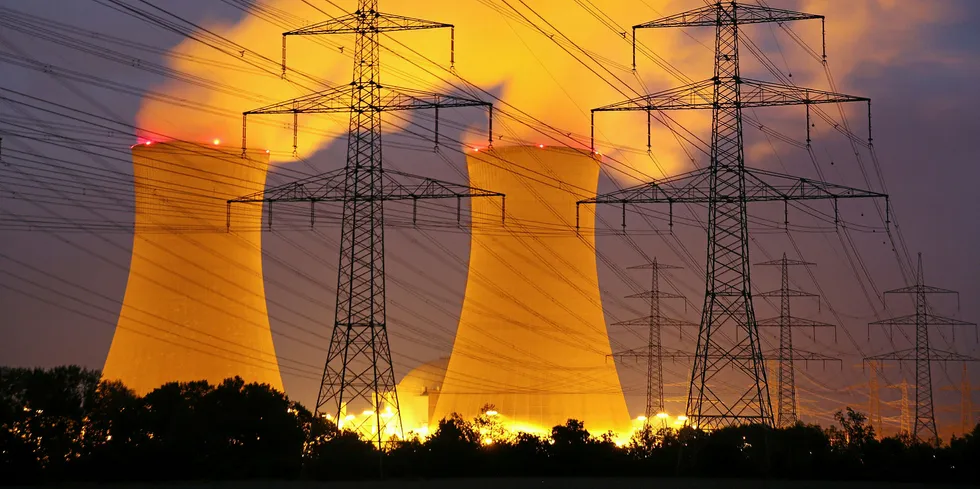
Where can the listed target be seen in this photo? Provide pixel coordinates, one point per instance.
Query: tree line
(66, 424)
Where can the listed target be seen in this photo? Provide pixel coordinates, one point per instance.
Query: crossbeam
(393, 185)
(760, 186)
(342, 100)
(370, 22)
(754, 93)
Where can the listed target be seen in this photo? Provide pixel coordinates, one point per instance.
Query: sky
(549, 62)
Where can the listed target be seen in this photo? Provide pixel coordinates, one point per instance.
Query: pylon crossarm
(405, 186)
(658, 266)
(711, 15)
(798, 354)
(924, 289)
(690, 187)
(760, 186)
(935, 355)
(794, 322)
(395, 185)
(397, 98)
(645, 322)
(787, 293)
(788, 262)
(649, 294)
(331, 100)
(328, 186)
(754, 93)
(375, 21)
(926, 318)
(767, 186)
(642, 353)
(696, 95)
(757, 93)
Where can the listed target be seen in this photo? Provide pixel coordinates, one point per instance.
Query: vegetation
(65, 424)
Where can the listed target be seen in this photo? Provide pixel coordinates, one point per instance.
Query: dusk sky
(81, 81)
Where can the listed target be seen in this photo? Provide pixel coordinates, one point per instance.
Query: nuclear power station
(531, 347)
(195, 299)
(532, 338)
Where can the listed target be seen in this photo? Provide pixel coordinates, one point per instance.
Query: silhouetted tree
(43, 412)
(63, 424)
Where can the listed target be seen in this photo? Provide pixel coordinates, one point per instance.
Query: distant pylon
(967, 420)
(654, 353)
(924, 426)
(728, 345)
(966, 403)
(874, 398)
(786, 401)
(905, 418)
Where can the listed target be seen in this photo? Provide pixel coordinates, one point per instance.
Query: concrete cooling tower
(532, 337)
(195, 305)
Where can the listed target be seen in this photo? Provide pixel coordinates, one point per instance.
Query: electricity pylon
(967, 420)
(905, 416)
(654, 353)
(922, 354)
(874, 398)
(786, 414)
(727, 186)
(358, 368)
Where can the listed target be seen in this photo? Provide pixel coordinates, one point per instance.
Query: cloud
(554, 60)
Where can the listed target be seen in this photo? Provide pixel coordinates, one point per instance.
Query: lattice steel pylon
(654, 353)
(786, 414)
(967, 420)
(358, 368)
(905, 413)
(726, 186)
(922, 354)
(874, 398)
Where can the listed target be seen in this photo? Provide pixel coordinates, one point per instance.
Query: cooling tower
(195, 305)
(532, 337)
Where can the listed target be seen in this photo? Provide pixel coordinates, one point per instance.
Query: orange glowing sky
(544, 72)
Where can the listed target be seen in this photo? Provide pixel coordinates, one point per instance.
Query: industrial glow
(491, 413)
(216, 142)
(641, 418)
(662, 415)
